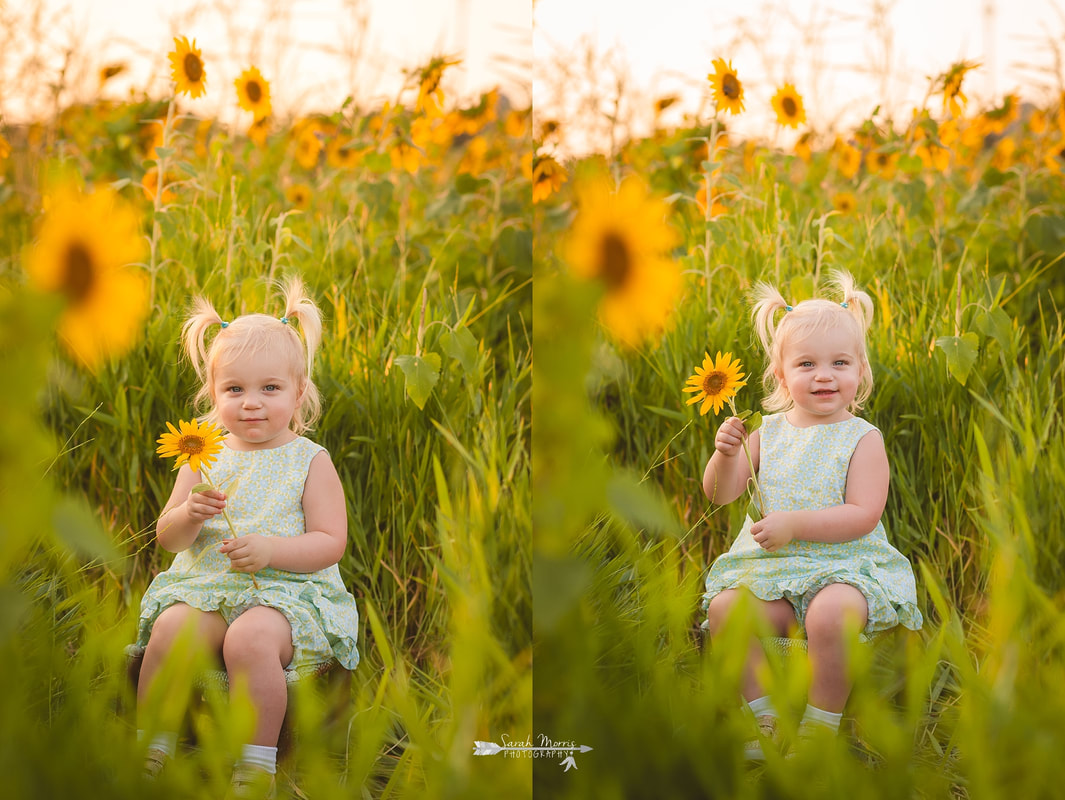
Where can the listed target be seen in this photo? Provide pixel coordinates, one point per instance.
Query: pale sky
(841, 56)
(313, 53)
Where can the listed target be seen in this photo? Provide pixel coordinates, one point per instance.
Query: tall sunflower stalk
(197, 445)
(716, 383)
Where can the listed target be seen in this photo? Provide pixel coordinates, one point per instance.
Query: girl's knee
(720, 608)
(256, 636)
(835, 609)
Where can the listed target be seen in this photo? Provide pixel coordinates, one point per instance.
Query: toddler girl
(819, 558)
(287, 506)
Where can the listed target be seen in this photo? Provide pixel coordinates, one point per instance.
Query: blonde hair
(252, 334)
(853, 312)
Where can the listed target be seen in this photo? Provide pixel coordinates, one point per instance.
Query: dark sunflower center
(254, 90)
(193, 445)
(730, 86)
(789, 105)
(193, 67)
(882, 159)
(80, 274)
(616, 261)
(714, 382)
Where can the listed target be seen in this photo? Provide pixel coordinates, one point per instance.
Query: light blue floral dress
(806, 468)
(266, 498)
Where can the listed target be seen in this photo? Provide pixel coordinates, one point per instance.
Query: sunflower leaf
(461, 346)
(201, 487)
(753, 423)
(743, 415)
(961, 352)
(421, 374)
(753, 512)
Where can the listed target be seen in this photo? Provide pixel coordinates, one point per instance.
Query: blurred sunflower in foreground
(186, 68)
(728, 91)
(253, 93)
(950, 84)
(621, 239)
(85, 246)
(430, 94)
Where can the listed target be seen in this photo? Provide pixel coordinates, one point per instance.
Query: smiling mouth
(825, 392)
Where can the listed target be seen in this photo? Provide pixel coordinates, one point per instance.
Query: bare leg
(778, 614)
(257, 648)
(209, 630)
(836, 611)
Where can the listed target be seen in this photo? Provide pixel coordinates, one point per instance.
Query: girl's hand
(730, 436)
(201, 506)
(774, 530)
(248, 553)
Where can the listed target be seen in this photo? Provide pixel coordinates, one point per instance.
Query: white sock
(259, 756)
(762, 706)
(165, 742)
(819, 716)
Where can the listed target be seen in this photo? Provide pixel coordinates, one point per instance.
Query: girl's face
(822, 373)
(256, 400)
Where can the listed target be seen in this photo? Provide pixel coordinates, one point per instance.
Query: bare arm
(184, 515)
(327, 529)
(727, 471)
(865, 497)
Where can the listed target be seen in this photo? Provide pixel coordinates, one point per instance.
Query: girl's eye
(233, 389)
(806, 364)
(273, 387)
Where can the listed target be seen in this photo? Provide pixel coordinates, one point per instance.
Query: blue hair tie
(788, 308)
(284, 320)
(225, 324)
(844, 304)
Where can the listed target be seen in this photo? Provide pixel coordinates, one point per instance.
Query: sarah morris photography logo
(544, 747)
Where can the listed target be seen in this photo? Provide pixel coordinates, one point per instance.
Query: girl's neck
(798, 419)
(242, 446)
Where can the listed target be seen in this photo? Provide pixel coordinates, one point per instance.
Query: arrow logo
(491, 749)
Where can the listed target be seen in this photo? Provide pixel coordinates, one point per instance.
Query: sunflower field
(645, 257)
(410, 222)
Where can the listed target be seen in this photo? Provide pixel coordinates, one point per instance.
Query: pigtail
(299, 307)
(860, 306)
(194, 332)
(767, 302)
(857, 302)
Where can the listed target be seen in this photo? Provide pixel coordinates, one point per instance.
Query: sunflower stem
(754, 489)
(225, 515)
(708, 182)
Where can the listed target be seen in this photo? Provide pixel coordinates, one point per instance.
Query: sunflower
(259, 130)
(298, 195)
(430, 95)
(406, 157)
(950, 84)
(715, 382)
(186, 68)
(883, 163)
(998, 119)
(803, 147)
(848, 158)
(622, 240)
(548, 177)
(788, 105)
(5, 148)
(253, 92)
(844, 202)
(110, 71)
(308, 147)
(195, 443)
(728, 91)
(84, 246)
(933, 156)
(341, 153)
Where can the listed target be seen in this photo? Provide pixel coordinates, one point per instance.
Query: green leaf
(164, 152)
(753, 512)
(743, 415)
(421, 374)
(78, 529)
(753, 423)
(668, 413)
(468, 184)
(200, 487)
(640, 505)
(961, 354)
(461, 346)
(558, 584)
